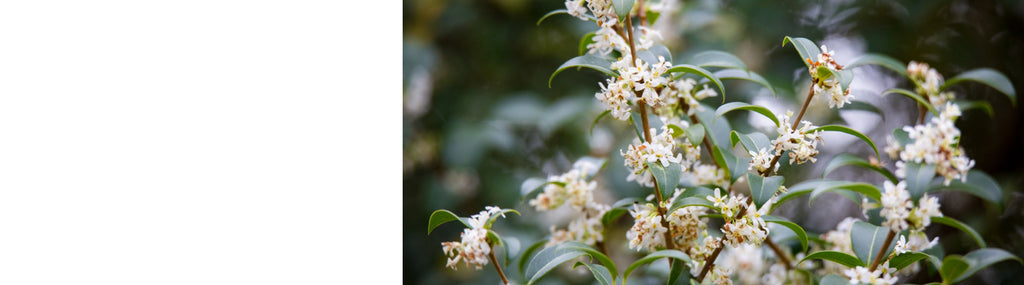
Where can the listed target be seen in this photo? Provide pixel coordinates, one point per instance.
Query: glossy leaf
(986, 76)
(751, 142)
(716, 130)
(690, 201)
(797, 190)
(978, 184)
(732, 106)
(722, 159)
(906, 259)
(687, 68)
(912, 95)
(979, 259)
(548, 258)
(867, 240)
(666, 177)
(801, 235)
(962, 227)
(496, 240)
(918, 177)
(601, 273)
(528, 253)
(953, 267)
(806, 48)
(744, 75)
(650, 56)
(591, 61)
(502, 213)
(845, 159)
(678, 270)
(847, 130)
(834, 256)
(869, 190)
(442, 216)
(622, 8)
(695, 133)
(667, 253)
(879, 60)
(715, 58)
(762, 188)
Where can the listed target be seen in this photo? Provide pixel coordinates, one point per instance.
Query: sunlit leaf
(442, 216)
(715, 58)
(695, 133)
(666, 177)
(622, 8)
(744, 75)
(585, 41)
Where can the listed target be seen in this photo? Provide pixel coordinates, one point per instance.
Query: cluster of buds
(659, 149)
(800, 142)
(936, 143)
(883, 275)
(573, 187)
(473, 248)
(928, 81)
(747, 229)
(825, 84)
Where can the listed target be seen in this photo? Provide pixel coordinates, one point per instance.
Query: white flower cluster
(634, 76)
(659, 149)
(830, 87)
(601, 9)
(647, 231)
(883, 275)
(684, 91)
(762, 161)
(748, 229)
(901, 214)
(928, 81)
(686, 225)
(705, 174)
(473, 248)
(937, 143)
(747, 260)
(606, 40)
(587, 228)
(801, 144)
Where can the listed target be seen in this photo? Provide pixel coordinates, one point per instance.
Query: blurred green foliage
(479, 117)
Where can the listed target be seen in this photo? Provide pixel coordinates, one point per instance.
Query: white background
(200, 142)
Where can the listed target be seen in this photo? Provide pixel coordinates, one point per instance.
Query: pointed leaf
(806, 48)
(879, 60)
(906, 259)
(666, 177)
(601, 273)
(918, 177)
(548, 258)
(699, 71)
(678, 271)
(845, 129)
(442, 216)
(979, 259)
(715, 58)
(695, 133)
(731, 106)
(762, 188)
(834, 256)
(962, 227)
(952, 268)
(496, 240)
(528, 253)
(585, 41)
(622, 8)
(667, 253)
(501, 213)
(920, 100)
(751, 141)
(978, 184)
(867, 240)
(591, 61)
(799, 231)
(971, 105)
(744, 75)
(986, 76)
(845, 159)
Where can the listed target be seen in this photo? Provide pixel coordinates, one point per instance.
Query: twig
(881, 251)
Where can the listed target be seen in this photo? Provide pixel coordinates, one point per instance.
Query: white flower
(606, 40)
(647, 231)
(576, 9)
(473, 249)
(801, 144)
(747, 261)
(881, 275)
(936, 143)
(927, 207)
(705, 174)
(659, 149)
(901, 246)
(896, 206)
(761, 161)
(892, 147)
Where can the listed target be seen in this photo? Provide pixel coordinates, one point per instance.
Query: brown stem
(642, 12)
(810, 94)
(709, 262)
(498, 267)
(778, 252)
(629, 31)
(921, 110)
(881, 251)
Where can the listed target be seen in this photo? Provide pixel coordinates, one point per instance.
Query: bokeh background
(479, 117)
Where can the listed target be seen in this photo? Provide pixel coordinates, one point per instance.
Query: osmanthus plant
(683, 153)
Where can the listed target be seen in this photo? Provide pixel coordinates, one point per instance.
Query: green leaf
(528, 252)
(744, 75)
(594, 123)
(496, 240)
(591, 61)
(833, 279)
(962, 227)
(494, 217)
(879, 60)
(686, 68)
(906, 259)
(666, 177)
(622, 8)
(867, 240)
(611, 215)
(845, 159)
(918, 177)
(722, 159)
(952, 267)
(762, 188)
(651, 55)
(751, 141)
(715, 58)
(869, 190)
(666, 253)
(845, 129)
(978, 184)
(901, 136)
(585, 41)
(799, 231)
(442, 216)
(981, 258)
(548, 258)
(986, 76)
(971, 105)
(690, 201)
(601, 273)
(716, 130)
(677, 272)
(834, 256)
(562, 11)
(920, 100)
(731, 106)
(801, 188)
(806, 48)
(695, 133)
